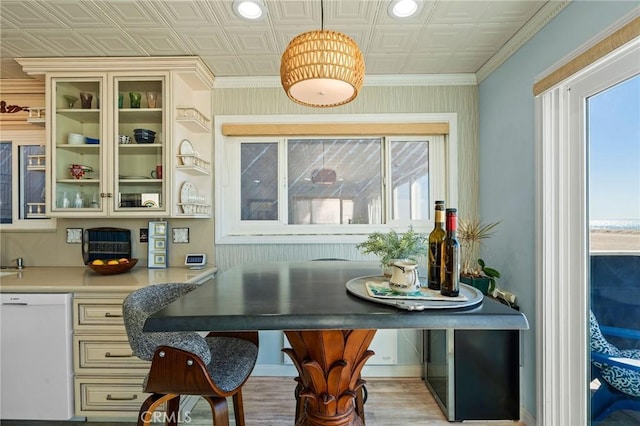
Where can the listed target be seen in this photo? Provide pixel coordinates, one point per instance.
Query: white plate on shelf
(187, 149)
(188, 193)
(133, 177)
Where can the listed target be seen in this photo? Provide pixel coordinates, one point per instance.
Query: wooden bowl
(113, 269)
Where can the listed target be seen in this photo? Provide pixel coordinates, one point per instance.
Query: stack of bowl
(144, 135)
(75, 139)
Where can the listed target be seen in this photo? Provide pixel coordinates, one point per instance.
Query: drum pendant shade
(322, 69)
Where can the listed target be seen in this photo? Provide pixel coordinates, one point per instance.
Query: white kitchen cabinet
(107, 177)
(108, 376)
(116, 179)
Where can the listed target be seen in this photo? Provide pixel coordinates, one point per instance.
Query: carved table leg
(329, 363)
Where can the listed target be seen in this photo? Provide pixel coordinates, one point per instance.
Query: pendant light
(322, 68)
(323, 176)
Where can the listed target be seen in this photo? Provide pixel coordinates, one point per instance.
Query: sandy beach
(605, 240)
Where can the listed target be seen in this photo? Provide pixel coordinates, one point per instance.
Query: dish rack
(192, 118)
(194, 164)
(195, 208)
(36, 210)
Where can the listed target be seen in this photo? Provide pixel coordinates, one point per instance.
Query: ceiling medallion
(322, 69)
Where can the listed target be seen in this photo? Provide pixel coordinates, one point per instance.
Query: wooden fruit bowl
(113, 269)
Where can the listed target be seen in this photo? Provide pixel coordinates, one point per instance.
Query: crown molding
(192, 68)
(371, 80)
(535, 24)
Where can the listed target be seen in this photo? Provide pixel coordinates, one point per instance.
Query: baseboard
(368, 371)
(526, 417)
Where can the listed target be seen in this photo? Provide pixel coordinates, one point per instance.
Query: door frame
(562, 237)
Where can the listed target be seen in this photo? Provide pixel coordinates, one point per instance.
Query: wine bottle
(450, 286)
(436, 246)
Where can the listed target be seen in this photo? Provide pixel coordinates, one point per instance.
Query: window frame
(227, 190)
(18, 138)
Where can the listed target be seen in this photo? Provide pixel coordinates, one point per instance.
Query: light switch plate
(74, 235)
(180, 235)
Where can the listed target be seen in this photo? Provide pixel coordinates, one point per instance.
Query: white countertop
(82, 279)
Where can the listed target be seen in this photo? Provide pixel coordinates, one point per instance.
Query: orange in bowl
(115, 268)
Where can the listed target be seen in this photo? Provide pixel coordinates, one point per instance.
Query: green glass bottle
(436, 247)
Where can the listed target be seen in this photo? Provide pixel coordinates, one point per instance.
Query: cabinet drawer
(106, 352)
(98, 314)
(108, 396)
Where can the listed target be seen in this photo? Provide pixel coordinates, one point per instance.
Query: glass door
(139, 157)
(613, 135)
(77, 147)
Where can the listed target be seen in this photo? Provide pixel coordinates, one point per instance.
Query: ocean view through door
(613, 181)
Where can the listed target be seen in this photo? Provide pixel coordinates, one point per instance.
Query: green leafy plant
(391, 245)
(490, 273)
(472, 233)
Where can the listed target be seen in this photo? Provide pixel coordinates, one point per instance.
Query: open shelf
(193, 119)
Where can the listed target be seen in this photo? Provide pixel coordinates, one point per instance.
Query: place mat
(379, 288)
(358, 287)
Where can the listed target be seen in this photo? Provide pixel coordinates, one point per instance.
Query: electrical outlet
(74, 235)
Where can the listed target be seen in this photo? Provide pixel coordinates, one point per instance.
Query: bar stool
(185, 363)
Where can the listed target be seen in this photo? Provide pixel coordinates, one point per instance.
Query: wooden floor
(391, 402)
(269, 401)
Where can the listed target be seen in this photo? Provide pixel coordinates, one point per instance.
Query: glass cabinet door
(139, 158)
(77, 146)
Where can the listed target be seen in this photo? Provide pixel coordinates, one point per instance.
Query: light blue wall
(507, 154)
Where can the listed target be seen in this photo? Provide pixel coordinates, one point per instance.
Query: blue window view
(614, 167)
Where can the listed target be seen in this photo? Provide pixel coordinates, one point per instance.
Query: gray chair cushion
(232, 361)
(142, 303)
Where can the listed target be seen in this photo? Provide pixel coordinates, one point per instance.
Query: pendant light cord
(321, 15)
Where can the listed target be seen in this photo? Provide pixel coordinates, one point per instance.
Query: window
(326, 188)
(22, 182)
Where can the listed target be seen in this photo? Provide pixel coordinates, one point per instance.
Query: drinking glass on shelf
(85, 100)
(135, 97)
(78, 203)
(95, 203)
(152, 99)
(62, 200)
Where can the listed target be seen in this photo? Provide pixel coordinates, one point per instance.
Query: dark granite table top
(311, 296)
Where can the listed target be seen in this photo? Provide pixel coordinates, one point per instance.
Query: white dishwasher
(36, 368)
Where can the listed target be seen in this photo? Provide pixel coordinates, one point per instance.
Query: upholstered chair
(185, 363)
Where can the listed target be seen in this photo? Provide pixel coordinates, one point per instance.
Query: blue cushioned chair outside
(617, 370)
(185, 363)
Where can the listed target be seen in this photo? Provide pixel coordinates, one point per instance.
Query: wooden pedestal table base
(329, 363)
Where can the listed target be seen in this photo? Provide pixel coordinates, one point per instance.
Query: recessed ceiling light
(251, 10)
(401, 9)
